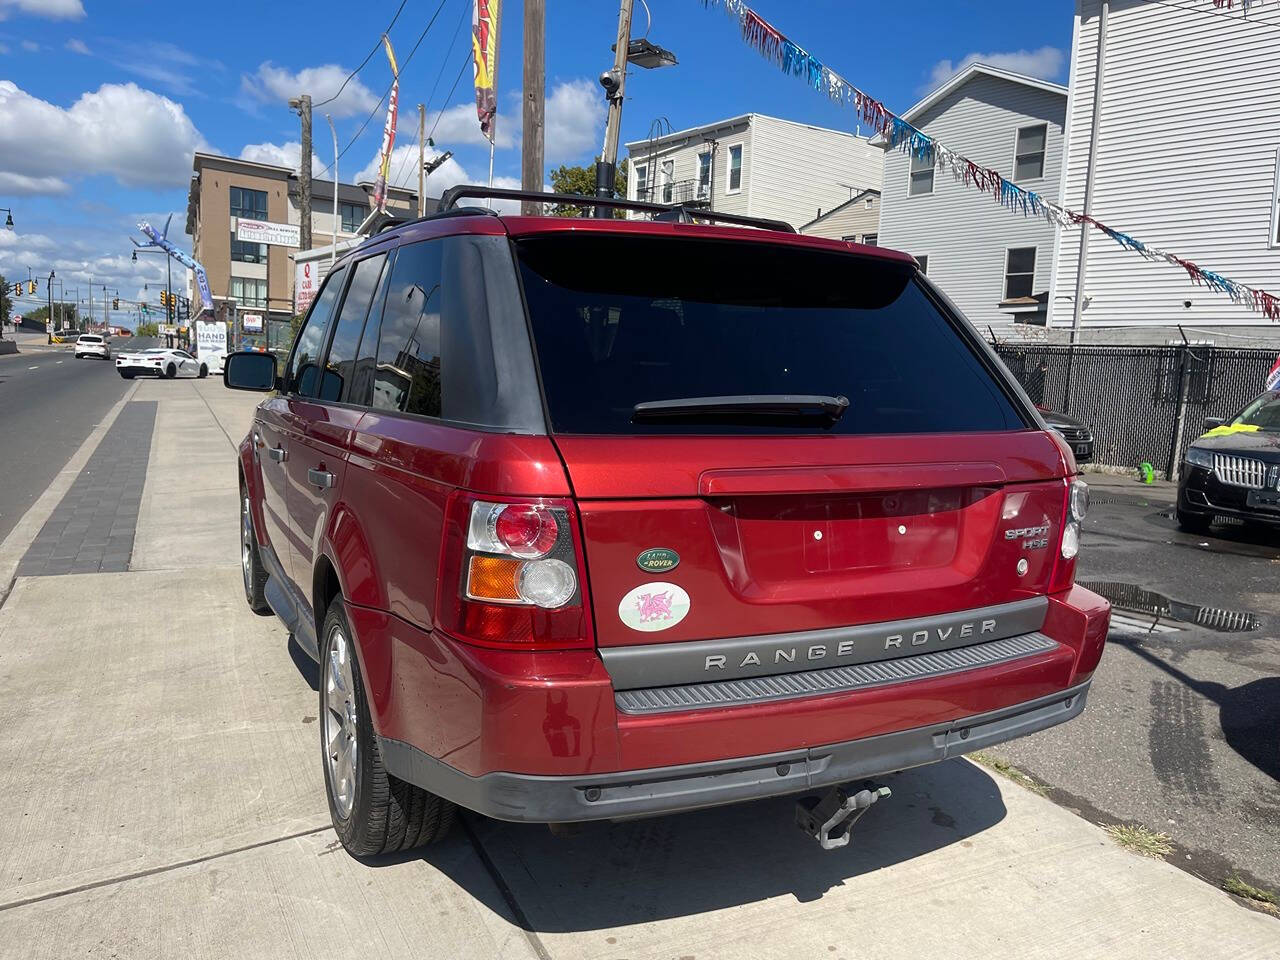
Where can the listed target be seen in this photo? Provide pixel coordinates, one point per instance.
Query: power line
(450, 94)
(366, 60)
(439, 73)
(350, 143)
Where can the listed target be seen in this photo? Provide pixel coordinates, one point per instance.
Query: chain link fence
(1144, 404)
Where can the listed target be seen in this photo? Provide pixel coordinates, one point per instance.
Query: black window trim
(287, 387)
(351, 266)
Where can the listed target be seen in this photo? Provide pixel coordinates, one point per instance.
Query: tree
(582, 180)
(147, 330)
(6, 302)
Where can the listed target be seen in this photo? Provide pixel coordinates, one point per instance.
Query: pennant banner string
(793, 59)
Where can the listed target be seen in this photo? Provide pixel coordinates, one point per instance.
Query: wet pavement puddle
(1128, 596)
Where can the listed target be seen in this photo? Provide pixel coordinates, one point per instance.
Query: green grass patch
(1008, 770)
(1247, 891)
(1138, 839)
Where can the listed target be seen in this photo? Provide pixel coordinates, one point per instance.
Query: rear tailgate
(775, 540)
(924, 497)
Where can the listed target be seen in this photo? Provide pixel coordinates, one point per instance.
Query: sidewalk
(164, 798)
(1130, 487)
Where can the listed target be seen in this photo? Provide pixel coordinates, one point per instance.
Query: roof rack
(457, 212)
(682, 213)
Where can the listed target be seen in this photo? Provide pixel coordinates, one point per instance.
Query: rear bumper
(661, 790)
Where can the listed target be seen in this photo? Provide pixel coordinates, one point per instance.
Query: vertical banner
(1273, 378)
(388, 131)
(484, 45)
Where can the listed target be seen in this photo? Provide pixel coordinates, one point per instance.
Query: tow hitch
(830, 817)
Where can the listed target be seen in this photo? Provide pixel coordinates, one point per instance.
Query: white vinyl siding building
(977, 251)
(1188, 160)
(754, 165)
(857, 219)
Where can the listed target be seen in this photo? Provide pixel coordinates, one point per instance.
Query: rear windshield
(620, 321)
(89, 339)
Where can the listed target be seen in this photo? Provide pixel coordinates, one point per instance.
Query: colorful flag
(484, 48)
(1273, 378)
(388, 132)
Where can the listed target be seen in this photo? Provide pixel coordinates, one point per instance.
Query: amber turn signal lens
(493, 579)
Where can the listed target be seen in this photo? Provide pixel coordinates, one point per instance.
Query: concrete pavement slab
(955, 864)
(302, 897)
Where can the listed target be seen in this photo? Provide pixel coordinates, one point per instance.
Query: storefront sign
(306, 281)
(260, 231)
(251, 322)
(211, 338)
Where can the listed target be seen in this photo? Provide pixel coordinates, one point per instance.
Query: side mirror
(1211, 422)
(246, 370)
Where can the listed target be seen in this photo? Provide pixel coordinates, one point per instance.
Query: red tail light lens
(1075, 503)
(512, 575)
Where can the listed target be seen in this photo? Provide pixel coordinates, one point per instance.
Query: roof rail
(683, 213)
(456, 212)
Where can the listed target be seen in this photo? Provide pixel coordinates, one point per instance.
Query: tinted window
(346, 332)
(697, 318)
(406, 375)
(306, 351)
(1263, 413)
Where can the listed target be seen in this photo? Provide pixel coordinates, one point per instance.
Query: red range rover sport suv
(595, 518)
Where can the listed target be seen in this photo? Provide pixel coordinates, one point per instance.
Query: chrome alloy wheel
(246, 547)
(340, 723)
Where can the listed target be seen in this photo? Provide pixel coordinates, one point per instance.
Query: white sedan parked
(92, 345)
(159, 362)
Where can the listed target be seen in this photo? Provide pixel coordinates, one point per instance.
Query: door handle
(320, 478)
(278, 454)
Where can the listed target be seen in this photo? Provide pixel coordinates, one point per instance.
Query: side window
(301, 372)
(360, 389)
(341, 357)
(921, 176)
(406, 376)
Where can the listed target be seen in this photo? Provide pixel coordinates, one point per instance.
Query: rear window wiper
(762, 404)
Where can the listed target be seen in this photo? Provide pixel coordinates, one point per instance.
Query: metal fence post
(1171, 471)
(1066, 389)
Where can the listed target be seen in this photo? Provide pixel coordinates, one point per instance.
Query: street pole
(422, 157)
(615, 83)
(333, 250)
(48, 321)
(168, 283)
(1083, 262)
(535, 84)
(302, 105)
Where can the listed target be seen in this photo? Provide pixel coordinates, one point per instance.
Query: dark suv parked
(597, 518)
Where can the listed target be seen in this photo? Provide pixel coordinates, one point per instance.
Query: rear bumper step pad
(754, 690)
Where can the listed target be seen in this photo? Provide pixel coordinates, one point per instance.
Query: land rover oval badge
(658, 560)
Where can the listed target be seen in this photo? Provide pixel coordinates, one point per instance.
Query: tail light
(512, 575)
(1075, 506)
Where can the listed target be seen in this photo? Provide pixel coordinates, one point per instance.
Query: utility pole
(48, 321)
(422, 158)
(535, 95)
(302, 106)
(614, 82)
(1087, 207)
(333, 250)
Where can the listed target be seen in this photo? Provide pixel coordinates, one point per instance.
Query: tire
(170, 372)
(126, 376)
(373, 812)
(1193, 522)
(204, 371)
(252, 571)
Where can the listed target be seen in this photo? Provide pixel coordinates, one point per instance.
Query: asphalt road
(1182, 730)
(49, 403)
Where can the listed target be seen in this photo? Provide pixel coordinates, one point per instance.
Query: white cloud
(272, 84)
(575, 121)
(53, 9)
(287, 154)
(120, 130)
(3, 49)
(77, 46)
(1045, 62)
(459, 126)
(30, 46)
(23, 184)
(404, 173)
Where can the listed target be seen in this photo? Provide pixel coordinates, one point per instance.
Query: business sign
(260, 231)
(211, 338)
(168, 329)
(251, 322)
(306, 281)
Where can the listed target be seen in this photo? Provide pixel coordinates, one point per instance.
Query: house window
(1019, 272)
(352, 215)
(250, 204)
(242, 251)
(642, 180)
(1028, 160)
(735, 168)
(668, 175)
(923, 260)
(704, 176)
(871, 239)
(870, 202)
(921, 181)
(249, 293)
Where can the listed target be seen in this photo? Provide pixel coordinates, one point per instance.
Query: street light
(642, 54)
(8, 220)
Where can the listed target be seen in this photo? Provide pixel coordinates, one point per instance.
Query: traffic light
(115, 303)
(31, 287)
(17, 289)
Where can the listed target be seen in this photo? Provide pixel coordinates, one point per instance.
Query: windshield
(626, 320)
(1262, 414)
(88, 339)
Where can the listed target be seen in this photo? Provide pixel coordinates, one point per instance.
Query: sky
(103, 103)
